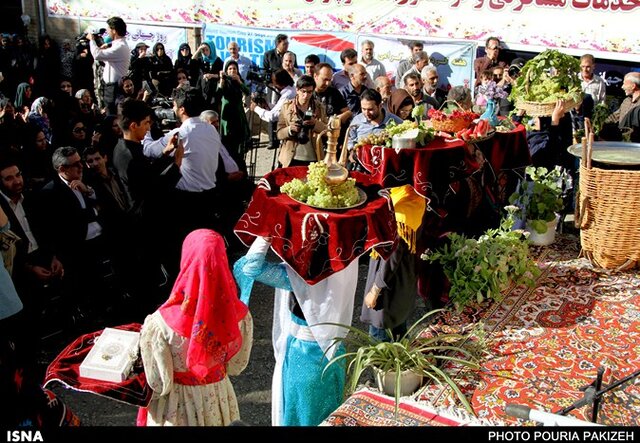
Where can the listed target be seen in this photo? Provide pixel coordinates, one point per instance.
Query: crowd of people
(105, 201)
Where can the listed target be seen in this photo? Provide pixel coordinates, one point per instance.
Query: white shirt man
(592, 84)
(374, 68)
(244, 63)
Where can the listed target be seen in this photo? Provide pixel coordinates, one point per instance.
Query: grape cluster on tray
(316, 192)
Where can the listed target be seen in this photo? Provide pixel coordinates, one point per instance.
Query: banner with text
(254, 42)
(606, 28)
(454, 60)
(170, 37)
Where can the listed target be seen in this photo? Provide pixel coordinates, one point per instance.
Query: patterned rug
(369, 408)
(547, 343)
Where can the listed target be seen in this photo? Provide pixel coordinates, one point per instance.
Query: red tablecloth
(508, 155)
(65, 368)
(317, 242)
(429, 169)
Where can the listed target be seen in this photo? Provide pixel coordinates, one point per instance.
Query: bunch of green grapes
(316, 192)
(394, 129)
(297, 189)
(381, 138)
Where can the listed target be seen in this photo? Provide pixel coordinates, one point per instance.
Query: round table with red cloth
(318, 242)
(65, 368)
(433, 168)
(508, 155)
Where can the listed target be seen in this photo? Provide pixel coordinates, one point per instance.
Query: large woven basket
(536, 109)
(607, 208)
(450, 124)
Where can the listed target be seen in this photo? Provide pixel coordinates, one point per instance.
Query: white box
(112, 356)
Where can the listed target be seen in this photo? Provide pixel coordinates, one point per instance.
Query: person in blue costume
(303, 393)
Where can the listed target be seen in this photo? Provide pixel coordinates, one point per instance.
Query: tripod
(592, 395)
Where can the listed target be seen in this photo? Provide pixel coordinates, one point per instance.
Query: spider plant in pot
(414, 355)
(540, 196)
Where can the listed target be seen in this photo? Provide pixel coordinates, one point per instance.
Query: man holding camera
(491, 59)
(115, 58)
(300, 120)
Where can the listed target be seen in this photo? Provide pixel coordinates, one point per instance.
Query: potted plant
(408, 360)
(540, 197)
(480, 269)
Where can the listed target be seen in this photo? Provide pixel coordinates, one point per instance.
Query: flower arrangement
(480, 269)
(491, 91)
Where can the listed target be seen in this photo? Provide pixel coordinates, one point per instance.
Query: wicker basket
(536, 109)
(450, 125)
(607, 208)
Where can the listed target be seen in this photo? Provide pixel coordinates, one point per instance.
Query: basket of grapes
(315, 192)
(548, 77)
(452, 121)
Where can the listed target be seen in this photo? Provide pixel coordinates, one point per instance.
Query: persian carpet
(547, 343)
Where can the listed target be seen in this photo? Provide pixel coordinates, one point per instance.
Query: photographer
(300, 120)
(116, 59)
(283, 83)
(509, 77)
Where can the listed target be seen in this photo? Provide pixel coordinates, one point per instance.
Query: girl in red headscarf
(195, 339)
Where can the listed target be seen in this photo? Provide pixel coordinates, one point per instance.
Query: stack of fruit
(478, 131)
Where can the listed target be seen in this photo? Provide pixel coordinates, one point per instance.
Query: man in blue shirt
(373, 119)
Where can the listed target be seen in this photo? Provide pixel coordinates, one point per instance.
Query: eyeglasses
(77, 130)
(77, 164)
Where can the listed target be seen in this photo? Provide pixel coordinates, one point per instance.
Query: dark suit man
(67, 224)
(36, 272)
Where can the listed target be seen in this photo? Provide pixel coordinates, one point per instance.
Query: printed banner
(454, 60)
(254, 43)
(172, 38)
(606, 28)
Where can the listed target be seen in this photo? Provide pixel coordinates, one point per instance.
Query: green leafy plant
(422, 353)
(549, 76)
(540, 196)
(480, 269)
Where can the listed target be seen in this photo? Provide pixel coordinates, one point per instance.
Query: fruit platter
(314, 191)
(451, 122)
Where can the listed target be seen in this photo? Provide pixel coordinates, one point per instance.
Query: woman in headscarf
(39, 116)
(161, 69)
(234, 128)
(401, 104)
(186, 62)
(210, 65)
(195, 340)
(23, 97)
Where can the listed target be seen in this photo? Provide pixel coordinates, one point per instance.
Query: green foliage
(482, 268)
(421, 353)
(600, 114)
(540, 194)
(548, 77)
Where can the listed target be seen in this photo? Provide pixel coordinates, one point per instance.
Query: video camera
(260, 79)
(81, 39)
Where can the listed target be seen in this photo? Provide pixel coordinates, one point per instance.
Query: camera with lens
(514, 71)
(81, 39)
(305, 128)
(259, 75)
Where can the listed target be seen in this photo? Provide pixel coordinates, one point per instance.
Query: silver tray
(611, 153)
(362, 199)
